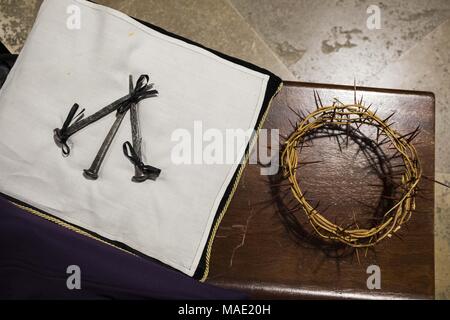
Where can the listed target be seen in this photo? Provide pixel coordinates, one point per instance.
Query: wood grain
(256, 252)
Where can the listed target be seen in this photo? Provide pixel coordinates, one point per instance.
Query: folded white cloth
(169, 219)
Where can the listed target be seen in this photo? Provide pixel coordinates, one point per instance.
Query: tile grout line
(258, 36)
(407, 52)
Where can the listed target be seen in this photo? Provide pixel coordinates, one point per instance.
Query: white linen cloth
(169, 219)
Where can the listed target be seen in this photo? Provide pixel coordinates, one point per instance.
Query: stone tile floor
(328, 41)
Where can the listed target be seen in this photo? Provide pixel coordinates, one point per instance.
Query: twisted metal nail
(148, 172)
(139, 174)
(92, 172)
(143, 90)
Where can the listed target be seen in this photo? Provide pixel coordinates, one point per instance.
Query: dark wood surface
(256, 251)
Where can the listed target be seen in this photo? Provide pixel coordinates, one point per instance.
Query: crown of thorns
(349, 118)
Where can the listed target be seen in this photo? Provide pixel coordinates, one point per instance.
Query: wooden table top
(257, 252)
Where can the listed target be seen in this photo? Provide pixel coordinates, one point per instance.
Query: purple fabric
(35, 254)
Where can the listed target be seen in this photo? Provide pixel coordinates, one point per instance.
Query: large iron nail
(143, 91)
(135, 132)
(92, 172)
(139, 176)
(77, 126)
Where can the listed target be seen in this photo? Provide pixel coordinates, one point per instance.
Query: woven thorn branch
(351, 117)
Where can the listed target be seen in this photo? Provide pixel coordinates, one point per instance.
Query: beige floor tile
(328, 40)
(16, 20)
(213, 23)
(427, 67)
(442, 239)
